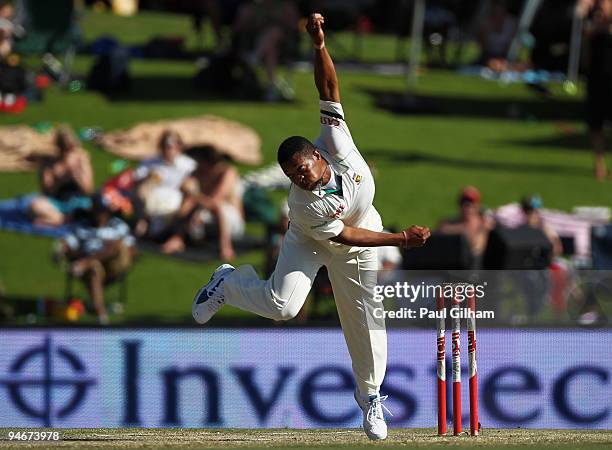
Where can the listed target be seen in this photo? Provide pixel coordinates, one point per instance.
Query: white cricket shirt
(321, 214)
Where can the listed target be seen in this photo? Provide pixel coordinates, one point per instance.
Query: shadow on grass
(530, 109)
(169, 88)
(412, 156)
(158, 88)
(575, 142)
(204, 252)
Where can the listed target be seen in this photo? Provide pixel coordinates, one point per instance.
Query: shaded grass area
(502, 138)
(320, 439)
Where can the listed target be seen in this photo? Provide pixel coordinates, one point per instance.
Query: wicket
(456, 365)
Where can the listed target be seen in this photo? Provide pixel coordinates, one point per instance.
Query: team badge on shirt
(357, 178)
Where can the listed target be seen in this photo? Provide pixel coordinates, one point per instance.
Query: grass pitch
(326, 438)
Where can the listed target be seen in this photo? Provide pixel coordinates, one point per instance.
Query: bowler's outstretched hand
(416, 236)
(315, 29)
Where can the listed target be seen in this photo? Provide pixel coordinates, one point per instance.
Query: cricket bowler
(334, 224)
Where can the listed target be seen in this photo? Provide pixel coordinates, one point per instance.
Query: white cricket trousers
(353, 277)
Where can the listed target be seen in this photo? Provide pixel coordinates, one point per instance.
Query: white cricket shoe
(210, 298)
(374, 423)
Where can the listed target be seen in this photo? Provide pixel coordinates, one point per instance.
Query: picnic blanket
(14, 217)
(231, 138)
(21, 147)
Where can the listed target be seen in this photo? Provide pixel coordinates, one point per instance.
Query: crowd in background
(185, 196)
(182, 196)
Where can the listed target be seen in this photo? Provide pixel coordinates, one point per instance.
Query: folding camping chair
(119, 285)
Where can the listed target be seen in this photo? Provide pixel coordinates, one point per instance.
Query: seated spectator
(212, 204)
(14, 81)
(531, 206)
(158, 186)
(472, 222)
(536, 286)
(495, 35)
(263, 29)
(66, 181)
(7, 28)
(100, 251)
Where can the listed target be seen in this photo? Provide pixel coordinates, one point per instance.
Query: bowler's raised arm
(324, 70)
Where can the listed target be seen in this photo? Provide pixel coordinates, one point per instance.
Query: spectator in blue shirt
(100, 251)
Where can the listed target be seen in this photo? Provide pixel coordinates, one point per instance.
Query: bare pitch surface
(127, 438)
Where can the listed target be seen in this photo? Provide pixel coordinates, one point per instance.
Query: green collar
(335, 191)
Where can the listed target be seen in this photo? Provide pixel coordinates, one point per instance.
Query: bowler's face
(305, 170)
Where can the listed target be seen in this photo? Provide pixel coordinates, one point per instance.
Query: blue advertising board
(290, 378)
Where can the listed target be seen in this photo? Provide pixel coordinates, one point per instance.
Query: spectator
(158, 186)
(7, 28)
(472, 222)
(212, 204)
(535, 285)
(495, 35)
(264, 29)
(100, 251)
(66, 181)
(598, 33)
(531, 206)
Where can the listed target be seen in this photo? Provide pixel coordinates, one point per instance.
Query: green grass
(503, 139)
(320, 439)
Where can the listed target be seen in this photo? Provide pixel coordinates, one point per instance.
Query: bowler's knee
(286, 309)
(287, 313)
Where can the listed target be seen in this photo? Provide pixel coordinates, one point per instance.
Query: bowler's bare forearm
(360, 237)
(414, 236)
(325, 76)
(324, 70)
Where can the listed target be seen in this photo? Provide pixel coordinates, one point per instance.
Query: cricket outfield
(423, 438)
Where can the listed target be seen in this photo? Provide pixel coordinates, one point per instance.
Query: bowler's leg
(353, 280)
(282, 296)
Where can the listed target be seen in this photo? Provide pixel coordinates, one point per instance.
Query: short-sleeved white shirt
(170, 175)
(320, 215)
